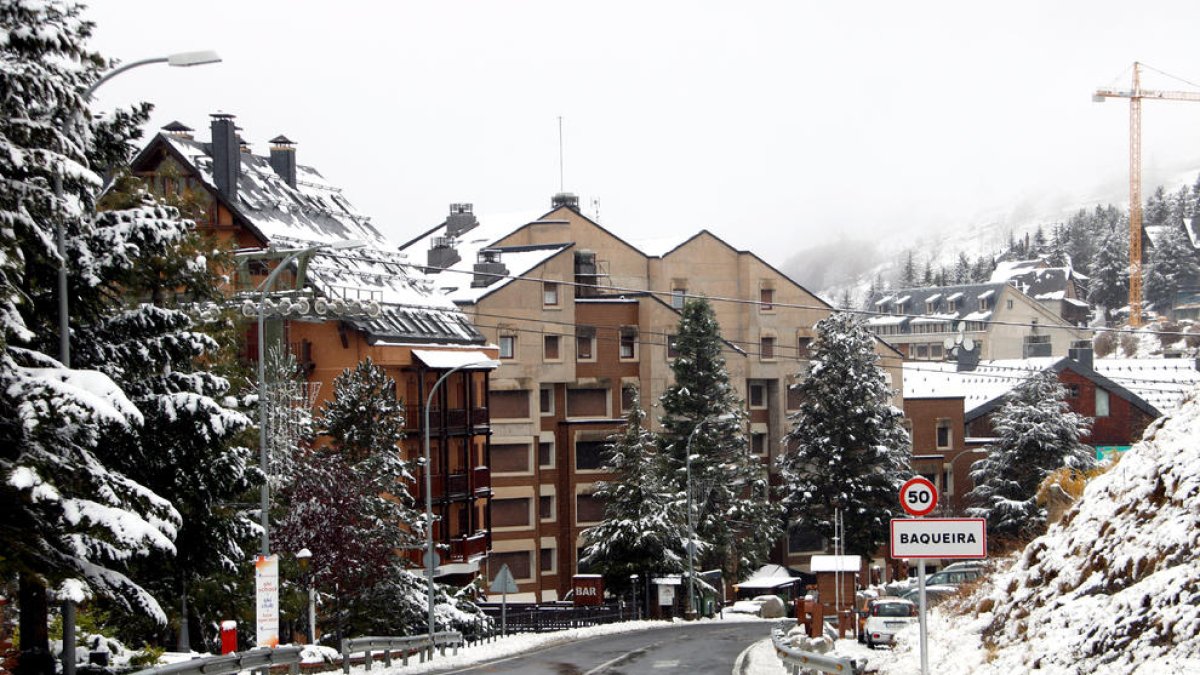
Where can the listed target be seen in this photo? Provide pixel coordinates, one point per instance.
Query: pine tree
(908, 273)
(847, 448)
(735, 522)
(71, 523)
(643, 528)
(1036, 433)
(1158, 209)
(962, 269)
(1109, 285)
(1172, 266)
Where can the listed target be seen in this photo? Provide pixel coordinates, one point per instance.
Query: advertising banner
(266, 584)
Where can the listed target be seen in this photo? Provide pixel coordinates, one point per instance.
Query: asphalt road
(695, 649)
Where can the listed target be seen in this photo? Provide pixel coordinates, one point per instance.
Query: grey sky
(777, 125)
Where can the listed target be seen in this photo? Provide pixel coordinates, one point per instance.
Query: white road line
(623, 657)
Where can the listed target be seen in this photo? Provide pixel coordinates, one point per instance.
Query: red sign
(589, 589)
(918, 496)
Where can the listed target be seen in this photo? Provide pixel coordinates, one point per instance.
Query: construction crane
(1135, 96)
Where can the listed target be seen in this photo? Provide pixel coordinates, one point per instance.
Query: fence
(408, 645)
(795, 660)
(228, 664)
(532, 618)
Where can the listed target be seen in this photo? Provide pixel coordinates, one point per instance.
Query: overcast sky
(776, 125)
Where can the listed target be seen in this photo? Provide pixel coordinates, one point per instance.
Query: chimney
(226, 162)
(442, 254)
(567, 199)
(243, 144)
(461, 219)
(488, 268)
(179, 130)
(966, 359)
(283, 158)
(1081, 353)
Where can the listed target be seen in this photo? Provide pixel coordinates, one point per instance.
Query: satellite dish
(948, 343)
(321, 306)
(249, 309)
(301, 306)
(968, 344)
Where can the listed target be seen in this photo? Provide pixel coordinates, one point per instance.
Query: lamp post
(429, 554)
(691, 545)
(263, 460)
(303, 556)
(64, 327)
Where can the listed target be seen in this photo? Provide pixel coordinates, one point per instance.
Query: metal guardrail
(796, 661)
(535, 618)
(407, 645)
(228, 664)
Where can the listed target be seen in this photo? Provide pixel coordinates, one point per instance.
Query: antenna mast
(560, 156)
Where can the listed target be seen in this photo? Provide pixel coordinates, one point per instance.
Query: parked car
(766, 606)
(888, 615)
(953, 577)
(933, 594)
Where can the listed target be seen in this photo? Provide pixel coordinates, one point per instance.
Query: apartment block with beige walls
(582, 317)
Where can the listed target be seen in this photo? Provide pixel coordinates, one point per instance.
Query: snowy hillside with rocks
(1113, 588)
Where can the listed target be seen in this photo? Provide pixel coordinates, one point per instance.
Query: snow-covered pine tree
(962, 269)
(1109, 285)
(643, 528)
(847, 448)
(1172, 266)
(736, 523)
(71, 523)
(350, 504)
(1036, 433)
(908, 272)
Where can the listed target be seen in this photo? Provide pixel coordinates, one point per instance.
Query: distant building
(1059, 288)
(264, 207)
(998, 319)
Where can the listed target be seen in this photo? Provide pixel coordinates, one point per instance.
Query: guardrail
(534, 618)
(796, 660)
(407, 645)
(227, 664)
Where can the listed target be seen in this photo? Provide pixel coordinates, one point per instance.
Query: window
(549, 293)
(1072, 391)
(766, 299)
(767, 349)
(546, 507)
(672, 346)
(803, 344)
(588, 509)
(931, 306)
(629, 336)
(944, 436)
(546, 400)
(510, 458)
(678, 295)
(758, 395)
(922, 352)
(1101, 402)
(758, 444)
(508, 346)
(794, 397)
(547, 560)
(589, 455)
(509, 404)
(587, 403)
(936, 351)
(546, 453)
(510, 512)
(585, 343)
(550, 348)
(1009, 303)
(802, 539)
(517, 561)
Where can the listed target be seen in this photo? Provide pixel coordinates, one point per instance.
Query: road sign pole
(504, 614)
(921, 614)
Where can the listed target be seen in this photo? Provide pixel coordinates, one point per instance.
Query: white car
(887, 617)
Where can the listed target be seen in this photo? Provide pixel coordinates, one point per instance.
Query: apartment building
(582, 317)
(344, 306)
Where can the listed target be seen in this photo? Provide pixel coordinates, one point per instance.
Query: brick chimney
(461, 219)
(488, 268)
(283, 158)
(226, 160)
(1081, 353)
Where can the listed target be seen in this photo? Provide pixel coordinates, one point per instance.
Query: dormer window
(985, 300)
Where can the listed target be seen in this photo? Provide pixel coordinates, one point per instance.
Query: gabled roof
(984, 388)
(1164, 383)
(315, 212)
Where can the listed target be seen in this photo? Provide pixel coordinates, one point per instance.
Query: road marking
(627, 656)
(666, 664)
(742, 663)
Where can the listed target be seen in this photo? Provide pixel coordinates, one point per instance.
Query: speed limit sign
(918, 496)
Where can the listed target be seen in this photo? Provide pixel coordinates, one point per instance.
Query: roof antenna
(560, 155)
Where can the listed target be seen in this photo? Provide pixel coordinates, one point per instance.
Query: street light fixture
(429, 554)
(303, 556)
(691, 545)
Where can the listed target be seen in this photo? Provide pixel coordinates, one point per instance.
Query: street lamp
(181, 59)
(691, 546)
(64, 327)
(302, 557)
(264, 288)
(429, 554)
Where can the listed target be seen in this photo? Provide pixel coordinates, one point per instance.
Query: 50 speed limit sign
(918, 496)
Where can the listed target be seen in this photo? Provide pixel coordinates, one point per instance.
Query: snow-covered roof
(954, 296)
(1164, 383)
(988, 381)
(986, 294)
(933, 298)
(443, 359)
(886, 320)
(977, 316)
(835, 563)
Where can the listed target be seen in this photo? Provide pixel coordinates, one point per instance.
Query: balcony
(456, 419)
(481, 479)
(466, 547)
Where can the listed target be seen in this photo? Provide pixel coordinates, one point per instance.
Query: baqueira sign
(946, 538)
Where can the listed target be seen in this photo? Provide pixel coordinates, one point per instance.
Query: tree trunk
(35, 656)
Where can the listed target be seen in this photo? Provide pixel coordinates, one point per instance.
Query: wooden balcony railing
(481, 478)
(465, 547)
(455, 418)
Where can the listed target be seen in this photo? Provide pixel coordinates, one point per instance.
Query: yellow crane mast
(1135, 96)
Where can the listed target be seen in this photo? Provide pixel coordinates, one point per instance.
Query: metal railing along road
(796, 661)
(407, 645)
(227, 664)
